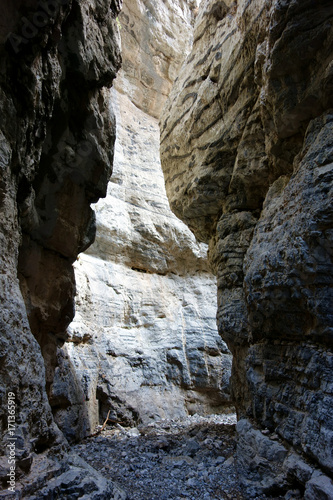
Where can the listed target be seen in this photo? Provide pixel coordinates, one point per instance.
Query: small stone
(191, 482)
(293, 495)
(228, 462)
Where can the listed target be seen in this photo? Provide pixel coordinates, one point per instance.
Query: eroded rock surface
(144, 342)
(247, 156)
(57, 135)
(156, 38)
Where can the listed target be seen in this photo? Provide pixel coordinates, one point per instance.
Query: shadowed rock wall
(246, 147)
(56, 153)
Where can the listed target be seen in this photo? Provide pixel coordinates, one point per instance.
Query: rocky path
(192, 459)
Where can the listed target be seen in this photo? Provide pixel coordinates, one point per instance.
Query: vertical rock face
(156, 38)
(247, 156)
(144, 342)
(56, 148)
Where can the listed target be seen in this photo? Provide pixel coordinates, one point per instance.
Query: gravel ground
(189, 459)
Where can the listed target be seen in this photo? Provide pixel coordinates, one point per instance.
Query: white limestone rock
(144, 338)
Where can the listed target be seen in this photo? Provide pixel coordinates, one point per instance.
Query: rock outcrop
(144, 342)
(246, 147)
(57, 135)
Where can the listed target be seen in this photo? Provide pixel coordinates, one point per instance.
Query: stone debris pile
(170, 459)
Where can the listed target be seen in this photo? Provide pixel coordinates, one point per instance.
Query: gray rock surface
(319, 487)
(144, 341)
(247, 156)
(55, 160)
(82, 481)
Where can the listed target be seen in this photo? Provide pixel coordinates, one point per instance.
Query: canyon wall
(246, 148)
(144, 342)
(156, 36)
(57, 136)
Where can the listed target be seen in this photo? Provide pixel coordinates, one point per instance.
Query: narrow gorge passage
(144, 339)
(132, 397)
(144, 344)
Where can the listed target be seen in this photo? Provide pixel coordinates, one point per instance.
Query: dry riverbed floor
(192, 459)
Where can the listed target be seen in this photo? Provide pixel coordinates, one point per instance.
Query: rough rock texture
(191, 458)
(156, 38)
(246, 147)
(56, 148)
(144, 338)
(144, 341)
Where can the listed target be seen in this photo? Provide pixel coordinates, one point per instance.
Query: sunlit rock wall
(246, 147)
(156, 38)
(144, 341)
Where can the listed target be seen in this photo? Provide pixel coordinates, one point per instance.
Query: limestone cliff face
(247, 154)
(156, 38)
(56, 147)
(144, 341)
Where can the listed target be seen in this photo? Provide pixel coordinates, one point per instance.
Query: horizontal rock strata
(246, 152)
